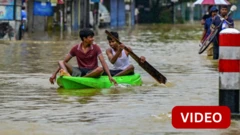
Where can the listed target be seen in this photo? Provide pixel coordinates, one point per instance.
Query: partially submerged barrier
(229, 69)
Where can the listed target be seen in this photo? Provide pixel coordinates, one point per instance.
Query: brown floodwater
(29, 104)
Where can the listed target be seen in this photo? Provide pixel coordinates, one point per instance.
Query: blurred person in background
(207, 29)
(217, 22)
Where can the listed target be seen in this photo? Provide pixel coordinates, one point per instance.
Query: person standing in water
(207, 29)
(227, 23)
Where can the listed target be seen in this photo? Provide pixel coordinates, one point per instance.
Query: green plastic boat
(69, 82)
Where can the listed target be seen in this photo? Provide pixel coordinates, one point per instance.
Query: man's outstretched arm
(53, 77)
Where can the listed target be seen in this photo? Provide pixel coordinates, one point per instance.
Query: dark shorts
(76, 71)
(215, 49)
(114, 72)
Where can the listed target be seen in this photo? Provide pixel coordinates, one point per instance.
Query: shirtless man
(119, 58)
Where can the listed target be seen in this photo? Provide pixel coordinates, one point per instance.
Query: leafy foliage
(233, 1)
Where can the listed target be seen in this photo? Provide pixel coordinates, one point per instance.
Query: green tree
(233, 1)
(155, 10)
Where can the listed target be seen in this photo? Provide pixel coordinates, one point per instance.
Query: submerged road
(29, 104)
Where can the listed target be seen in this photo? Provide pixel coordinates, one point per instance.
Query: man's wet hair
(84, 33)
(115, 34)
(224, 6)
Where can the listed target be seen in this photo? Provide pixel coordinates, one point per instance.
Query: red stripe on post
(229, 40)
(229, 65)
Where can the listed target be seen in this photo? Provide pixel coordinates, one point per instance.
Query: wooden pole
(30, 15)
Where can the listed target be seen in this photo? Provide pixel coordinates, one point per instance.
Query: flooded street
(29, 104)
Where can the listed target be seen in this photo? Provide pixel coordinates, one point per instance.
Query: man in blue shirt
(24, 16)
(207, 31)
(218, 23)
(206, 16)
(23, 22)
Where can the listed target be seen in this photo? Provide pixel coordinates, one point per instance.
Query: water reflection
(80, 93)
